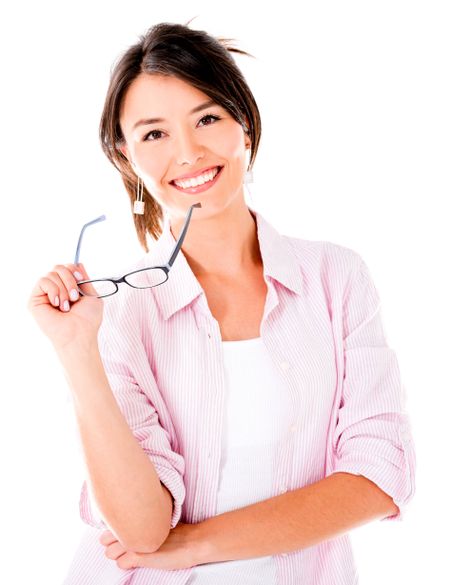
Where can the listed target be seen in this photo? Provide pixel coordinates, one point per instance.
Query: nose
(187, 148)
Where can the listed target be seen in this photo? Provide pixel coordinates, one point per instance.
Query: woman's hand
(177, 551)
(81, 322)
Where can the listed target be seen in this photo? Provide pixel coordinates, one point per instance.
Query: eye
(150, 134)
(210, 116)
(153, 132)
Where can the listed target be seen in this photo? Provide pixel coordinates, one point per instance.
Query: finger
(129, 560)
(63, 294)
(46, 290)
(107, 537)
(115, 550)
(87, 288)
(59, 293)
(78, 270)
(71, 293)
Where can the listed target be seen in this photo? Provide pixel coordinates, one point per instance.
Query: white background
(354, 98)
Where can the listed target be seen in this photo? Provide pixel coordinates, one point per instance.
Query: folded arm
(292, 521)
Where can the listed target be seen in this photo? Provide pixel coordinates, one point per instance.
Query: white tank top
(255, 416)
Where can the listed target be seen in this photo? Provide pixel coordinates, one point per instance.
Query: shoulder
(327, 268)
(325, 256)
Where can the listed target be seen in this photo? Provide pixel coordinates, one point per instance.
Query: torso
(237, 305)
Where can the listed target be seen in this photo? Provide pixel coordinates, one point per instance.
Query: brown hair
(196, 57)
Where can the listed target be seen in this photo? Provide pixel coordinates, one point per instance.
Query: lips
(193, 175)
(200, 188)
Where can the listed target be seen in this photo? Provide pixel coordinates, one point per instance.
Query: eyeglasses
(143, 278)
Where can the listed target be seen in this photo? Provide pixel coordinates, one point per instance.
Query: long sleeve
(123, 356)
(373, 434)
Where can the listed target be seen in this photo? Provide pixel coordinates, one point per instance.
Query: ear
(246, 134)
(124, 150)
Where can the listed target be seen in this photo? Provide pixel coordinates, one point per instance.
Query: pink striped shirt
(322, 326)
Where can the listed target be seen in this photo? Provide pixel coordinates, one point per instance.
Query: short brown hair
(196, 57)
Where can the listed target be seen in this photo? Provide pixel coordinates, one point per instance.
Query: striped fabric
(322, 327)
(255, 418)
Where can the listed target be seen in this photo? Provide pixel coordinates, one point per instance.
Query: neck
(223, 245)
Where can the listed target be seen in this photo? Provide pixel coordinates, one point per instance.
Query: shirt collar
(279, 261)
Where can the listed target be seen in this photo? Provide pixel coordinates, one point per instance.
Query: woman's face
(183, 142)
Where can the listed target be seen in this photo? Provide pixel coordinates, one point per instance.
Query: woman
(243, 414)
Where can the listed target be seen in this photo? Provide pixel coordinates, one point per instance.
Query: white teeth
(195, 182)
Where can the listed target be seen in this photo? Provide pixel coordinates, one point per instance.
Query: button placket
(206, 324)
(210, 334)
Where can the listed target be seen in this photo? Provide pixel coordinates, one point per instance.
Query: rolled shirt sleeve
(136, 404)
(373, 433)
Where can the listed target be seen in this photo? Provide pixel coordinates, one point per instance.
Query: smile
(198, 184)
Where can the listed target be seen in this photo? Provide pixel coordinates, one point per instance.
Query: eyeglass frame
(165, 267)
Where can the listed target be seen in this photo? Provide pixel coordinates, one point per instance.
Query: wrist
(201, 548)
(80, 359)
(78, 348)
(84, 370)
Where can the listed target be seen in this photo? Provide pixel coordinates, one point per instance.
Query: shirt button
(283, 489)
(284, 366)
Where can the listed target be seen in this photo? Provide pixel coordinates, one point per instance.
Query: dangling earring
(139, 203)
(248, 177)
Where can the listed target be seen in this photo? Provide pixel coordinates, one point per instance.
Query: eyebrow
(145, 121)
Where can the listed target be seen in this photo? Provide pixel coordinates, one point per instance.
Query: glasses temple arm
(96, 220)
(182, 235)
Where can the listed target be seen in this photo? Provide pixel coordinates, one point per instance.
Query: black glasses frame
(165, 267)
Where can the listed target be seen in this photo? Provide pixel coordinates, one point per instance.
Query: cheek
(150, 162)
(230, 147)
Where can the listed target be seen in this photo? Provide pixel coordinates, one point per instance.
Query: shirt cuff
(391, 470)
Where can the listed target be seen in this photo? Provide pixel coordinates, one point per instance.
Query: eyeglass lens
(145, 278)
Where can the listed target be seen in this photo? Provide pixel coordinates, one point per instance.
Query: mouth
(199, 188)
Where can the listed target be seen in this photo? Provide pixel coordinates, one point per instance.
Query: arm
(292, 521)
(373, 462)
(126, 487)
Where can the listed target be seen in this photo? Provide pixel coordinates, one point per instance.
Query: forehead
(151, 95)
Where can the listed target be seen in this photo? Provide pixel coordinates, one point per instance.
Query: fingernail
(78, 275)
(56, 301)
(66, 305)
(74, 294)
